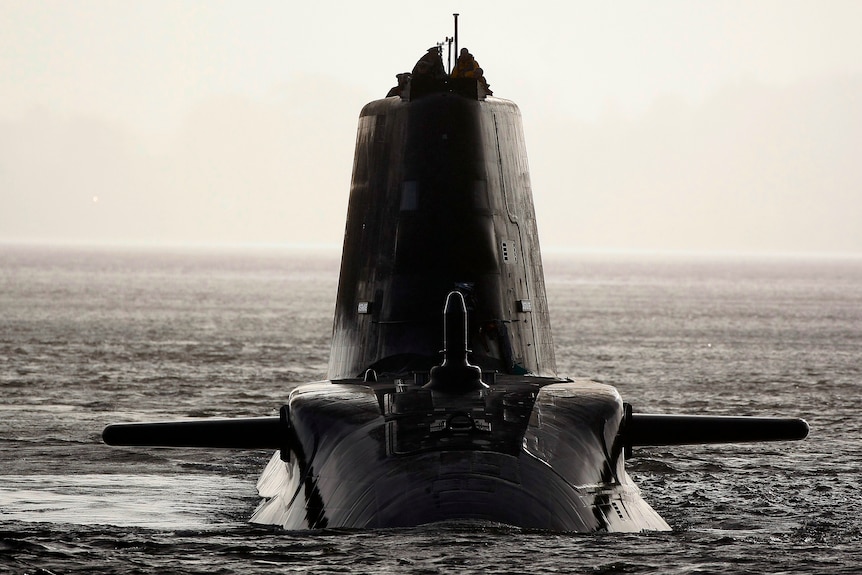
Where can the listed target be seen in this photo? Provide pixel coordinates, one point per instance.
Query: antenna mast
(456, 35)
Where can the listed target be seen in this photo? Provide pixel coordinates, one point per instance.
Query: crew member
(430, 65)
(468, 67)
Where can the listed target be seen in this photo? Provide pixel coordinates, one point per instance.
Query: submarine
(442, 400)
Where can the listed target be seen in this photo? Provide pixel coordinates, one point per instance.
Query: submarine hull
(404, 433)
(441, 204)
(543, 455)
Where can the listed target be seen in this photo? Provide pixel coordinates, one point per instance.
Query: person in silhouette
(467, 67)
(430, 65)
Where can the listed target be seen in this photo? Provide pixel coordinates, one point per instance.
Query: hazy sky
(669, 125)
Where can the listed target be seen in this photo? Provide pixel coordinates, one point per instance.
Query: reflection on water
(152, 501)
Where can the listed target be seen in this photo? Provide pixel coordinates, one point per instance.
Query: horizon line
(553, 251)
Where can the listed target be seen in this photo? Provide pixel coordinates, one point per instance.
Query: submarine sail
(440, 201)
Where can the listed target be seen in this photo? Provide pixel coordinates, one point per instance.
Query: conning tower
(440, 201)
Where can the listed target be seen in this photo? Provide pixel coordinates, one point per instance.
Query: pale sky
(654, 125)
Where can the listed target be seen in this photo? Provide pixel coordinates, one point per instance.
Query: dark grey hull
(354, 469)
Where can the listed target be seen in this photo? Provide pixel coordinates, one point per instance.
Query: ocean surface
(92, 336)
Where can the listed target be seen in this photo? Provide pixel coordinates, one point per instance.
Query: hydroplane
(442, 400)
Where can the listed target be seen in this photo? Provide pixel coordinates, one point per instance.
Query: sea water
(92, 336)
